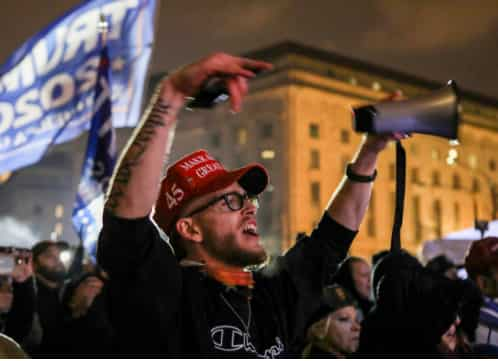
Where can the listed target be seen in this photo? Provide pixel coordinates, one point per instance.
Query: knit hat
(333, 298)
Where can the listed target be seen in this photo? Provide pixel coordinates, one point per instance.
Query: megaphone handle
(400, 197)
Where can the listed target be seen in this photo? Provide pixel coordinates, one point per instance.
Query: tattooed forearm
(157, 117)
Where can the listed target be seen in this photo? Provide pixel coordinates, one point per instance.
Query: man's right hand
(84, 295)
(23, 268)
(135, 185)
(234, 71)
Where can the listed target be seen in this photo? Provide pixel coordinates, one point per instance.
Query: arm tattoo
(135, 151)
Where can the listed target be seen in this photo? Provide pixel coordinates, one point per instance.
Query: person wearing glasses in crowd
(181, 286)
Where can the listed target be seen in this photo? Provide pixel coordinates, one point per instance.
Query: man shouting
(193, 296)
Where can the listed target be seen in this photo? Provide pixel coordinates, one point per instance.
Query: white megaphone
(436, 113)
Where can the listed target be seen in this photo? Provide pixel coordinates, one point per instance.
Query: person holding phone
(17, 294)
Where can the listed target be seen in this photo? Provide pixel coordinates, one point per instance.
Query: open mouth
(251, 229)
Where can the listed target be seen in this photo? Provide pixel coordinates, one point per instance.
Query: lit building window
(59, 211)
(456, 182)
(242, 136)
(436, 209)
(58, 229)
(417, 224)
(413, 149)
(492, 165)
(415, 176)
(472, 161)
(267, 130)
(268, 154)
(452, 157)
(476, 185)
(345, 136)
(371, 231)
(456, 214)
(392, 171)
(436, 178)
(376, 86)
(314, 159)
(314, 130)
(436, 154)
(315, 194)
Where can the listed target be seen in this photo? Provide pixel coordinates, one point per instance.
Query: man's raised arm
(350, 201)
(135, 183)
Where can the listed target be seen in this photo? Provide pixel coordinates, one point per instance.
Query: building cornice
(368, 79)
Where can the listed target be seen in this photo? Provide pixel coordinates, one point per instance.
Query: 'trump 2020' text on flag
(47, 86)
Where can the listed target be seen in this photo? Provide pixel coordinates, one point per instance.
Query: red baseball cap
(481, 256)
(198, 174)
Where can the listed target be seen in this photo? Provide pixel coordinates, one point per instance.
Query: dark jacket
(90, 335)
(49, 319)
(414, 308)
(64, 336)
(158, 308)
(17, 322)
(343, 276)
(313, 351)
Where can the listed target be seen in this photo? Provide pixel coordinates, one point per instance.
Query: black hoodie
(344, 278)
(414, 308)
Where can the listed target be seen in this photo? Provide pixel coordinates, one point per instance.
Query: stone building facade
(297, 121)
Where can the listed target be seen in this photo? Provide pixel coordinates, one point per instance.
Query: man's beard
(234, 255)
(52, 275)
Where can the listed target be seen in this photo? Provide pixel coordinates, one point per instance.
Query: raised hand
(84, 295)
(234, 71)
(377, 142)
(23, 268)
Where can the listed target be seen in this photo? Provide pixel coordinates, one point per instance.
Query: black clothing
(51, 317)
(414, 308)
(90, 335)
(343, 276)
(389, 263)
(17, 322)
(158, 308)
(313, 351)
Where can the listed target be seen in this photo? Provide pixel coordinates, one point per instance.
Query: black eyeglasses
(235, 201)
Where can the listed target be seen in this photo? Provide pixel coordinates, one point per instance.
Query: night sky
(432, 39)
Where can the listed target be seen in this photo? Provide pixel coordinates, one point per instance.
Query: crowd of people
(181, 270)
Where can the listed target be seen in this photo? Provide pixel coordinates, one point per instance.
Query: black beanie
(333, 298)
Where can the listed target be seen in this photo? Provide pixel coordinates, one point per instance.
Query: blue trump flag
(47, 86)
(98, 164)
